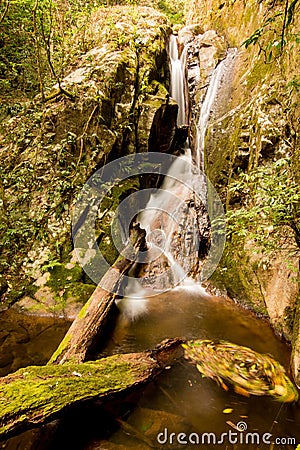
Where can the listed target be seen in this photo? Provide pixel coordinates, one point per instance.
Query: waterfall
(159, 218)
(163, 206)
(208, 103)
(177, 78)
(171, 216)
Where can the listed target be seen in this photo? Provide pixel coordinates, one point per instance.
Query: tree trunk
(91, 320)
(35, 395)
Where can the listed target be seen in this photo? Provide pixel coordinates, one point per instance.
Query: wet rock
(181, 136)
(51, 303)
(158, 124)
(6, 356)
(204, 52)
(20, 335)
(151, 422)
(188, 33)
(3, 335)
(3, 285)
(71, 309)
(28, 440)
(141, 430)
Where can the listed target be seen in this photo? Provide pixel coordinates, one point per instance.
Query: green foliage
(16, 69)
(175, 13)
(35, 36)
(271, 199)
(254, 38)
(293, 85)
(273, 35)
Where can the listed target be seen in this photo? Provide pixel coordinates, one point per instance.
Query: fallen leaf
(227, 410)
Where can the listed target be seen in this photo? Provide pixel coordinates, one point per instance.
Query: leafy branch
(280, 21)
(272, 201)
(5, 11)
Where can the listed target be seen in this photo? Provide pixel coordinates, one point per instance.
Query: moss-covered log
(91, 320)
(36, 395)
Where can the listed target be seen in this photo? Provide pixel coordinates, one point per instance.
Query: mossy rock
(59, 292)
(236, 276)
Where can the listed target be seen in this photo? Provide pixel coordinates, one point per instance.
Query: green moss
(46, 390)
(108, 207)
(62, 346)
(289, 318)
(61, 277)
(82, 312)
(236, 274)
(14, 295)
(80, 292)
(66, 283)
(258, 74)
(31, 289)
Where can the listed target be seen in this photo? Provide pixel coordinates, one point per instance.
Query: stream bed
(179, 400)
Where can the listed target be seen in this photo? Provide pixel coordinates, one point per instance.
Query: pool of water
(28, 340)
(179, 400)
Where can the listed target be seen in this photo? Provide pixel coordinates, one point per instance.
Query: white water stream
(208, 103)
(177, 66)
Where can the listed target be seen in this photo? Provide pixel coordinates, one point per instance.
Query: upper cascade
(177, 68)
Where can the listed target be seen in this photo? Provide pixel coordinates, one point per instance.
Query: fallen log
(91, 320)
(38, 394)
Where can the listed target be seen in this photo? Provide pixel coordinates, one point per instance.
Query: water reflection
(28, 340)
(179, 400)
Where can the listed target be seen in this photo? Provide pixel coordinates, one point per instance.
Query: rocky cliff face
(252, 141)
(114, 96)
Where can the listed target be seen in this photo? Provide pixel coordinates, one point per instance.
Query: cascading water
(207, 105)
(171, 224)
(167, 210)
(177, 78)
(159, 228)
